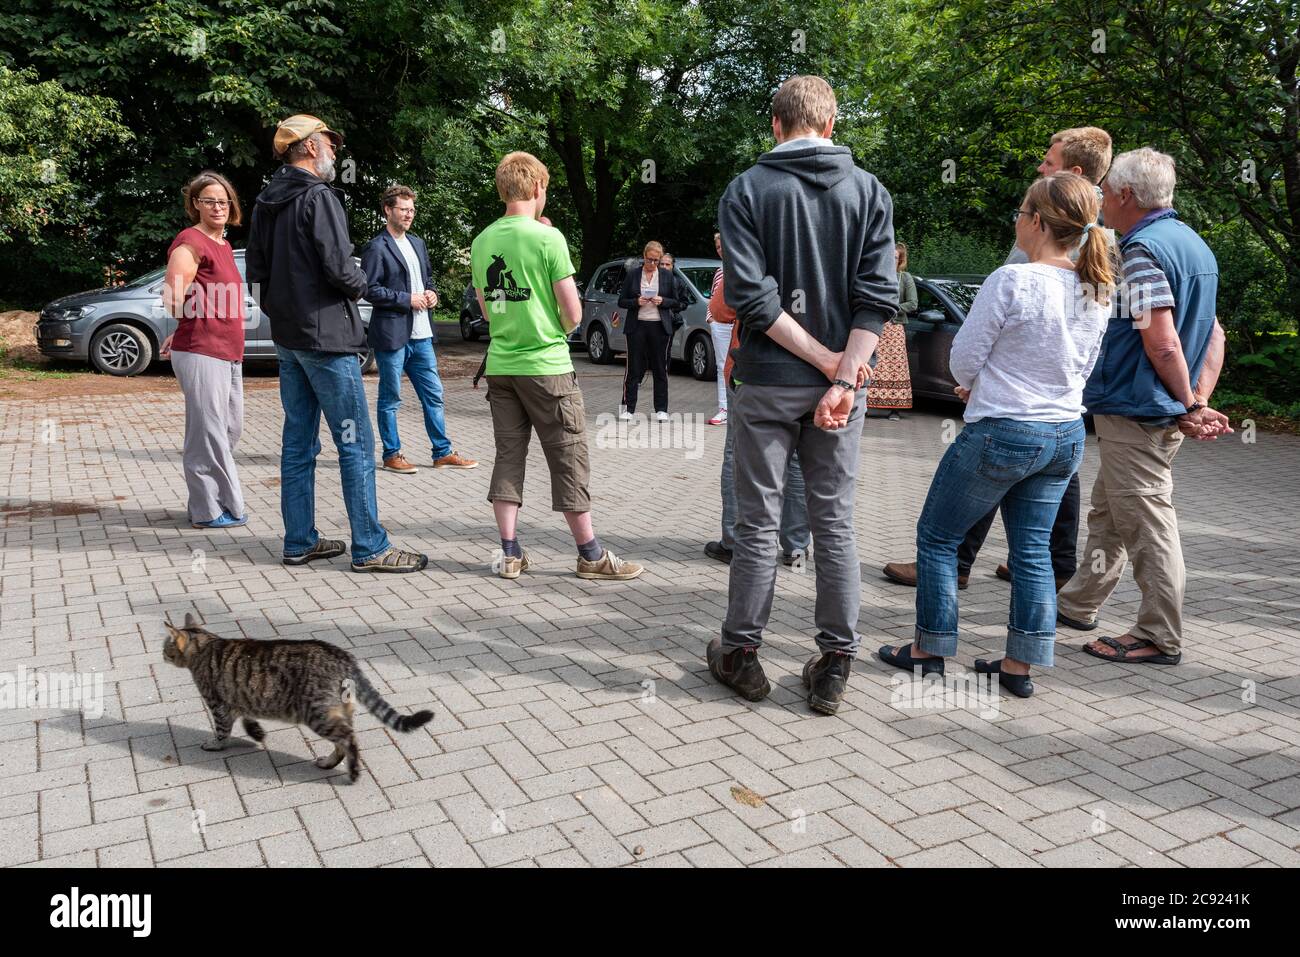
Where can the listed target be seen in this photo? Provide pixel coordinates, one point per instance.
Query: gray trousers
(793, 535)
(769, 423)
(214, 419)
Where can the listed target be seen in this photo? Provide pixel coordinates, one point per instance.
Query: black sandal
(1125, 652)
(1022, 686)
(901, 657)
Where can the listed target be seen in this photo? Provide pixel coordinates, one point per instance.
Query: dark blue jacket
(388, 289)
(1124, 382)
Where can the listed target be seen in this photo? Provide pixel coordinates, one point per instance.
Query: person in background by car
(679, 293)
(299, 261)
(203, 291)
(722, 320)
(396, 264)
(649, 298)
(891, 382)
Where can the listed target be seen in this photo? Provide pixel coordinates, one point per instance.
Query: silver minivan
(602, 319)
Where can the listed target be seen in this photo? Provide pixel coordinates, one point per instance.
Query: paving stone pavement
(576, 723)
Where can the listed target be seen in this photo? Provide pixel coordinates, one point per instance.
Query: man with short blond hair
(523, 278)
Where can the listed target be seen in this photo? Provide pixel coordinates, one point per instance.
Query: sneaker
(626, 416)
(324, 548)
(739, 670)
(719, 551)
(894, 416)
(789, 558)
(398, 463)
(394, 561)
(826, 676)
(512, 565)
(661, 416)
(904, 573)
(609, 568)
(720, 418)
(224, 520)
(453, 461)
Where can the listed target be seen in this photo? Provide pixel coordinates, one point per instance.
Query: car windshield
(962, 293)
(147, 279)
(701, 278)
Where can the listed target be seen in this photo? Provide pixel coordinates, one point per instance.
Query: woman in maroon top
(204, 292)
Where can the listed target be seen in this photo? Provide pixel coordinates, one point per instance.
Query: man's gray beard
(325, 169)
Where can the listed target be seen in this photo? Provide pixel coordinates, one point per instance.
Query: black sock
(510, 548)
(591, 550)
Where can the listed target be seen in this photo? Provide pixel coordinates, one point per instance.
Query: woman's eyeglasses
(1018, 213)
(213, 203)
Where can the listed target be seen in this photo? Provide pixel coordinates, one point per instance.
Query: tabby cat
(303, 682)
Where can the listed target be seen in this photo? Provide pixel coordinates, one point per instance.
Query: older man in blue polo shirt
(396, 264)
(1151, 386)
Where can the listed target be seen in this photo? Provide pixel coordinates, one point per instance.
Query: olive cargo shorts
(551, 404)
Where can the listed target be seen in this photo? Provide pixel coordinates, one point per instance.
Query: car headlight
(72, 315)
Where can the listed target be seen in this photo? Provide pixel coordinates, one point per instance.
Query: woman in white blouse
(1020, 360)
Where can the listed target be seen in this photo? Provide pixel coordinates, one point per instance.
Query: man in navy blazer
(396, 264)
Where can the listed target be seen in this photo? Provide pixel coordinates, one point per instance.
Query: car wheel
(598, 346)
(700, 355)
(121, 350)
(467, 328)
(367, 360)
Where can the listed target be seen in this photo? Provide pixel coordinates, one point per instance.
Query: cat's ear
(190, 621)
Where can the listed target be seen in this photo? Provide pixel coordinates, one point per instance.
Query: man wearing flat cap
(301, 270)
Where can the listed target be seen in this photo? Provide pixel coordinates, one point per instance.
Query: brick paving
(575, 721)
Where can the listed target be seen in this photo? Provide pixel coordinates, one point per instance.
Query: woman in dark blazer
(649, 297)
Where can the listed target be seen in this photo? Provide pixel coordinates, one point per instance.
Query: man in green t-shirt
(523, 277)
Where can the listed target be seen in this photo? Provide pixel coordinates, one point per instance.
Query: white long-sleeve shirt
(1028, 345)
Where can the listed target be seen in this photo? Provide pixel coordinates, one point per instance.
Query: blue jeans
(419, 363)
(311, 383)
(794, 533)
(1025, 466)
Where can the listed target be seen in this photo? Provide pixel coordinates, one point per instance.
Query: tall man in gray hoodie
(809, 267)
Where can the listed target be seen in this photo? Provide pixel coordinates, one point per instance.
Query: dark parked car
(602, 319)
(119, 330)
(941, 309)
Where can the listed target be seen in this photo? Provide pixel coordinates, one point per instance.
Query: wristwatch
(846, 386)
(1194, 407)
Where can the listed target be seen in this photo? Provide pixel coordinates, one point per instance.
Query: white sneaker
(661, 416)
(625, 416)
(720, 418)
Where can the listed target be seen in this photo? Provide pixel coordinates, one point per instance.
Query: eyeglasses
(213, 203)
(651, 261)
(1018, 213)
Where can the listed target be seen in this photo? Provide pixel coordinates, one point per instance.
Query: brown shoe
(512, 565)
(453, 461)
(609, 567)
(398, 463)
(1003, 572)
(904, 573)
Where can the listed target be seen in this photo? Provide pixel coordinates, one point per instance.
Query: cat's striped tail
(381, 709)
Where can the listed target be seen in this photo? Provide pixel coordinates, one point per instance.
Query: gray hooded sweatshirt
(807, 231)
